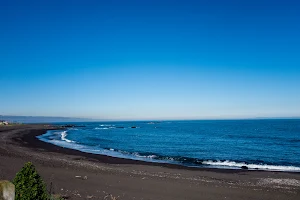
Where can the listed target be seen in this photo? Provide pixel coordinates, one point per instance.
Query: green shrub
(29, 184)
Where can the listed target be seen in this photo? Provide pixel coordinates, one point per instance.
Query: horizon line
(157, 119)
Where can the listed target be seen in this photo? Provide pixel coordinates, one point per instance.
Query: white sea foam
(101, 128)
(140, 156)
(151, 156)
(64, 135)
(233, 164)
(104, 128)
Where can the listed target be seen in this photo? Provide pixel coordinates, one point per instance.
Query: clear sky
(150, 59)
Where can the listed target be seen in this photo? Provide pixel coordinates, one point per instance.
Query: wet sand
(80, 175)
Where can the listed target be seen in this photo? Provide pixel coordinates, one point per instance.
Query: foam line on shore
(233, 164)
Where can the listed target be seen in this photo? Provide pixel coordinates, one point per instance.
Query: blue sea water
(258, 144)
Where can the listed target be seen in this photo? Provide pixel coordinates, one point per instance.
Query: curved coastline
(30, 140)
(132, 179)
(27, 137)
(117, 157)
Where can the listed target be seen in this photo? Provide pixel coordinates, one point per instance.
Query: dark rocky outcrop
(244, 167)
(72, 126)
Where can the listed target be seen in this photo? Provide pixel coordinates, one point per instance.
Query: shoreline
(130, 178)
(32, 139)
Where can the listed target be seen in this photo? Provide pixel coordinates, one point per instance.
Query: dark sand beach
(80, 175)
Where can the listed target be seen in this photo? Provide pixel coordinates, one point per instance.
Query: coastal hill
(41, 119)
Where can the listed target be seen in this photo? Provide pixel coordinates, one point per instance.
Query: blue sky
(128, 60)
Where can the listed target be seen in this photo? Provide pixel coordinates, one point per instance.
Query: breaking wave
(232, 164)
(64, 135)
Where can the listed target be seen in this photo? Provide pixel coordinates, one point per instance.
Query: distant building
(3, 122)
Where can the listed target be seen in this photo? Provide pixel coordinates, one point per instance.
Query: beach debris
(82, 177)
(7, 190)
(110, 197)
(76, 193)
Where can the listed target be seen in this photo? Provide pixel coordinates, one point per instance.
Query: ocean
(267, 144)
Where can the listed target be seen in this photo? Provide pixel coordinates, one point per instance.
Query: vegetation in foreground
(30, 186)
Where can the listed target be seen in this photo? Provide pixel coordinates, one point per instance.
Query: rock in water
(7, 190)
(244, 167)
